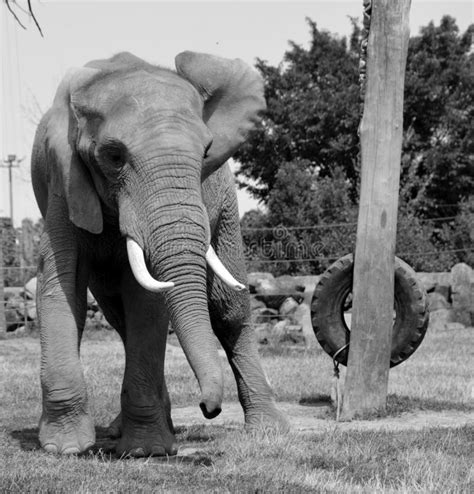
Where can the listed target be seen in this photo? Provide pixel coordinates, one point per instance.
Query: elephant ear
(72, 179)
(233, 101)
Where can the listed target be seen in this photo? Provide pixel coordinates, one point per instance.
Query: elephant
(129, 169)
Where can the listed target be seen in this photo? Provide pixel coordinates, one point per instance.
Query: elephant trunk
(175, 236)
(182, 260)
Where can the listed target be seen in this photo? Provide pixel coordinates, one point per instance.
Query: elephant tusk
(221, 271)
(136, 259)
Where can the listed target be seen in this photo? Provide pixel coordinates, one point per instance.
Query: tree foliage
(438, 148)
(312, 113)
(303, 161)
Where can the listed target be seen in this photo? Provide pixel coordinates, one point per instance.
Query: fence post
(3, 322)
(381, 139)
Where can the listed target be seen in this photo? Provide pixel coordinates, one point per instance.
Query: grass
(437, 377)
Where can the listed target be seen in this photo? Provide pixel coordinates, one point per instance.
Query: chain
(363, 52)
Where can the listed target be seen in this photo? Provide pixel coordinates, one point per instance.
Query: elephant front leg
(66, 426)
(146, 427)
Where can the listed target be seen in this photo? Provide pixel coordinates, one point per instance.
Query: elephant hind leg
(230, 318)
(110, 303)
(237, 337)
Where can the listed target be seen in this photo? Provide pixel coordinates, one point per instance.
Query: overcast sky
(76, 32)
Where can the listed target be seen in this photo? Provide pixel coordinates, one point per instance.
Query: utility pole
(381, 142)
(9, 163)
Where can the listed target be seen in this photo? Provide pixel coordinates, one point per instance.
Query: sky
(76, 32)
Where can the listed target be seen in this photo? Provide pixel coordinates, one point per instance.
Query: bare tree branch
(13, 13)
(34, 18)
(29, 12)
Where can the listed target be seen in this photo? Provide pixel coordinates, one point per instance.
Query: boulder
(439, 319)
(30, 288)
(273, 292)
(259, 280)
(437, 301)
(302, 314)
(256, 304)
(435, 281)
(279, 329)
(264, 315)
(462, 286)
(288, 306)
(454, 326)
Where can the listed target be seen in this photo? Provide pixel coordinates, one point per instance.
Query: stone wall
(281, 307)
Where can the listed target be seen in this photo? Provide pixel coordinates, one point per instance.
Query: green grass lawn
(437, 377)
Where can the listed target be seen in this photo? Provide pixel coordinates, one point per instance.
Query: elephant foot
(143, 442)
(67, 434)
(141, 438)
(268, 417)
(114, 430)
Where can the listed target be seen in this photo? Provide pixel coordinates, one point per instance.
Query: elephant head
(133, 143)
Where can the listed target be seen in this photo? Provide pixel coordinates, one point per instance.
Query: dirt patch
(321, 418)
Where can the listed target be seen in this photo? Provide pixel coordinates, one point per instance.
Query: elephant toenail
(137, 452)
(71, 450)
(158, 451)
(173, 451)
(51, 448)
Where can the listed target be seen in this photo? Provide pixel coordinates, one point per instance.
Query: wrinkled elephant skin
(129, 171)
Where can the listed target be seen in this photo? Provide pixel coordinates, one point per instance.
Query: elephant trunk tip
(210, 408)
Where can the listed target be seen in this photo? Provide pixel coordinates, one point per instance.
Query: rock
(31, 311)
(302, 314)
(434, 281)
(12, 292)
(264, 315)
(437, 301)
(255, 277)
(454, 326)
(462, 287)
(273, 292)
(279, 330)
(260, 281)
(294, 328)
(288, 306)
(91, 301)
(439, 319)
(256, 304)
(30, 288)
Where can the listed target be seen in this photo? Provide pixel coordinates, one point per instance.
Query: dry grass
(438, 376)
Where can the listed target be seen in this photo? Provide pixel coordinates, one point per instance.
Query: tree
(303, 161)
(306, 219)
(313, 116)
(13, 6)
(438, 149)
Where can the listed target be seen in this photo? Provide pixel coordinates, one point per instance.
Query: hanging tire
(331, 296)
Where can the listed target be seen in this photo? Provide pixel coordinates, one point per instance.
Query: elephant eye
(114, 153)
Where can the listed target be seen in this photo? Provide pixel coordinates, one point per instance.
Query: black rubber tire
(327, 310)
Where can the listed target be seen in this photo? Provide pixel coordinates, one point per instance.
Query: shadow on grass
(398, 404)
(29, 441)
(104, 447)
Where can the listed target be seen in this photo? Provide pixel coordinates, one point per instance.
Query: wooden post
(381, 139)
(3, 323)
